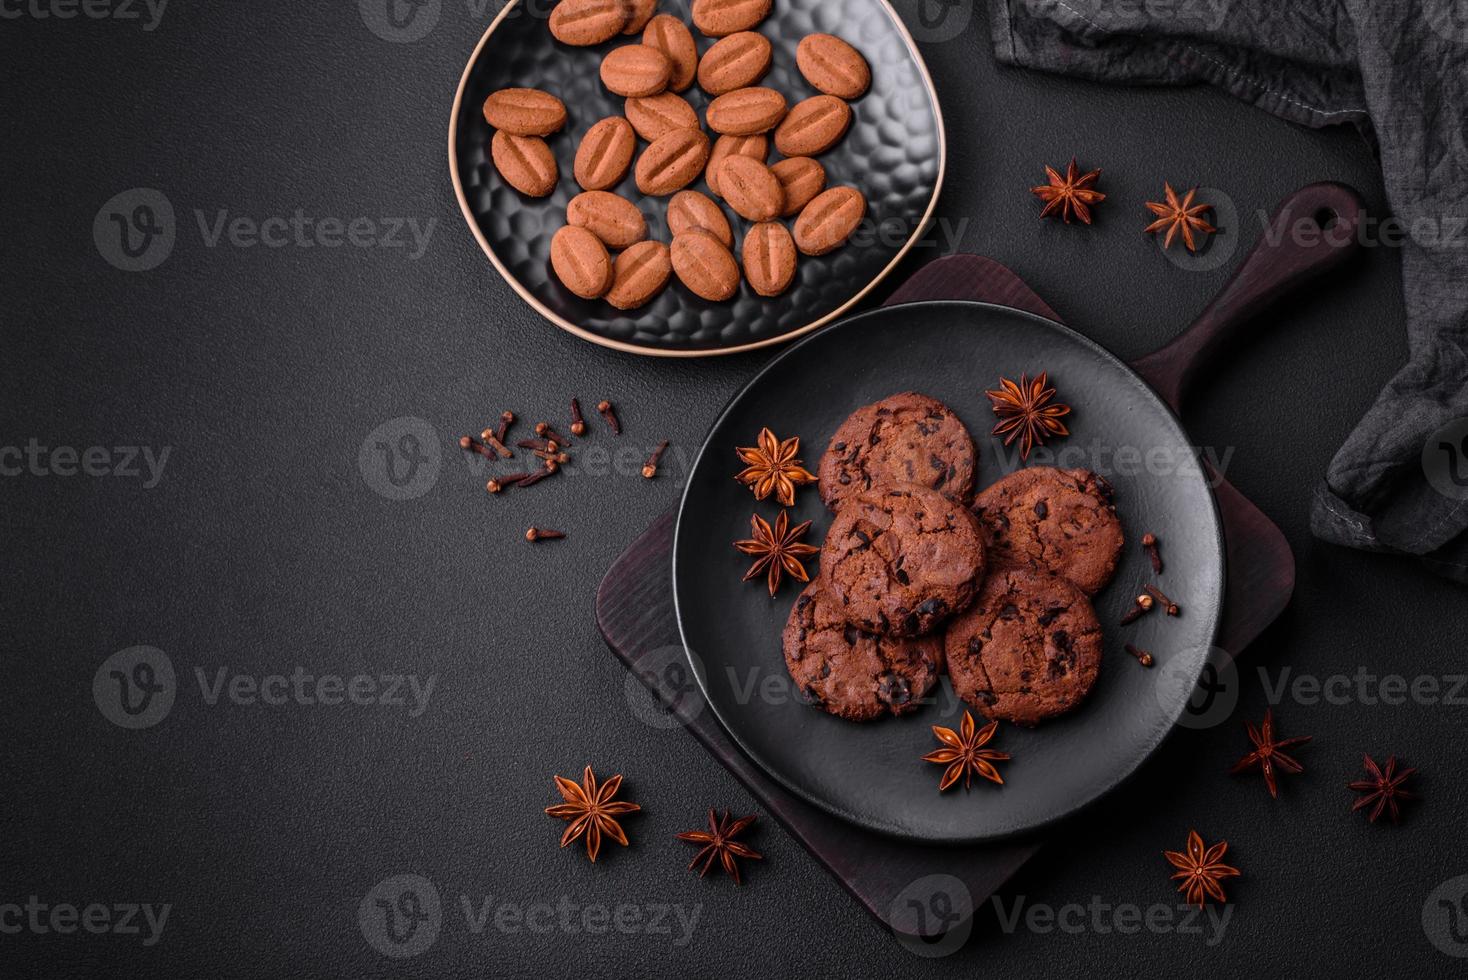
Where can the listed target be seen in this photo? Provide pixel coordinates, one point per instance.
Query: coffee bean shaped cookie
(692, 211)
(746, 111)
(769, 258)
(833, 66)
(901, 560)
(671, 36)
(755, 147)
(801, 178)
(850, 673)
(735, 62)
(1063, 521)
(586, 22)
(672, 162)
(615, 220)
(829, 220)
(658, 115)
(524, 111)
(705, 266)
(526, 163)
(1028, 649)
(813, 126)
(751, 190)
(907, 438)
(581, 262)
(635, 71)
(605, 154)
(639, 274)
(720, 18)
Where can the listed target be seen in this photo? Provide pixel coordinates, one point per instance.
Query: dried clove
(1141, 607)
(492, 440)
(468, 444)
(578, 424)
(610, 414)
(1167, 604)
(499, 483)
(543, 534)
(507, 418)
(650, 468)
(536, 477)
(1149, 545)
(1143, 657)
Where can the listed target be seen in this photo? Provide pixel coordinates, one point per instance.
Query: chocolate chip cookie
(1028, 649)
(1060, 520)
(907, 438)
(850, 673)
(901, 560)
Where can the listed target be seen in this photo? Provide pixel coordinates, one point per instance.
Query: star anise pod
(964, 753)
(1070, 195)
(1201, 870)
(719, 844)
(771, 467)
(1267, 754)
(1179, 216)
(1384, 788)
(1026, 412)
(779, 550)
(592, 811)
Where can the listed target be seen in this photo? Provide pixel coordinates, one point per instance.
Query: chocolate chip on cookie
(1059, 520)
(901, 560)
(851, 673)
(907, 438)
(1028, 649)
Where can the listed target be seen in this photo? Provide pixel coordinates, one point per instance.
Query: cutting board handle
(1312, 231)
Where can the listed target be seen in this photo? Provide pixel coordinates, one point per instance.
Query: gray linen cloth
(1398, 70)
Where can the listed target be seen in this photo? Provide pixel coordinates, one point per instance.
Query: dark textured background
(264, 549)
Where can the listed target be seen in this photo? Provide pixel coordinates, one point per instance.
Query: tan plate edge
(584, 334)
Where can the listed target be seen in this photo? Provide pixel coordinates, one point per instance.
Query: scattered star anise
(1267, 754)
(779, 551)
(592, 811)
(1384, 788)
(964, 753)
(771, 467)
(1070, 195)
(1201, 870)
(1026, 412)
(719, 844)
(1179, 216)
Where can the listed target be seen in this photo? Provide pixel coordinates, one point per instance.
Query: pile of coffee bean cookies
(744, 117)
(918, 575)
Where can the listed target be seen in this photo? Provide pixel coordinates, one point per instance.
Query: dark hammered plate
(894, 153)
(873, 774)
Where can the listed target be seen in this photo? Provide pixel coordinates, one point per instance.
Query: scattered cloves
(1142, 606)
(1167, 604)
(650, 468)
(1149, 545)
(543, 534)
(507, 418)
(610, 414)
(1143, 657)
(469, 444)
(578, 424)
(544, 430)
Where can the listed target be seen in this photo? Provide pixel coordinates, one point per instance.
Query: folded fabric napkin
(1398, 70)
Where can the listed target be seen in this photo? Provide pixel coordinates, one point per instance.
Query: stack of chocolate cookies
(917, 575)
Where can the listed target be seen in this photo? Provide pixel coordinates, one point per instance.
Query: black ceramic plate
(894, 153)
(872, 774)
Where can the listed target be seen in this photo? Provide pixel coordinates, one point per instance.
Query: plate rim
(630, 348)
(1220, 542)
